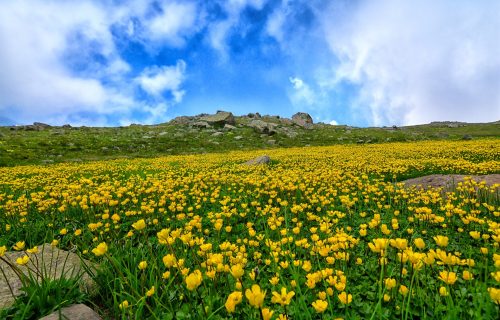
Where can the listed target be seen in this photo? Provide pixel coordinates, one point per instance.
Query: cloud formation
(60, 63)
(156, 80)
(416, 62)
(358, 62)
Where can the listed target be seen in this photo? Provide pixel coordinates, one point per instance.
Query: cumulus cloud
(418, 61)
(156, 80)
(59, 62)
(174, 22)
(301, 94)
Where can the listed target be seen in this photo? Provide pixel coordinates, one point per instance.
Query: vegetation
(62, 144)
(320, 232)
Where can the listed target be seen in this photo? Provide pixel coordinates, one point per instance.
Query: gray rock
(238, 138)
(467, 137)
(66, 126)
(271, 142)
(262, 127)
(201, 124)
(216, 134)
(182, 120)
(229, 127)
(259, 160)
(303, 120)
(50, 261)
(73, 312)
(219, 119)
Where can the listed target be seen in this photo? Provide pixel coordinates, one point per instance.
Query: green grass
(57, 144)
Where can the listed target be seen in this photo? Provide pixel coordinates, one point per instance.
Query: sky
(356, 62)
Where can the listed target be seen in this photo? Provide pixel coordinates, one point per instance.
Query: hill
(42, 144)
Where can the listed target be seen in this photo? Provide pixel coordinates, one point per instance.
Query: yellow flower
(399, 243)
(101, 249)
(54, 243)
(3, 249)
(19, 246)
(403, 290)
(475, 234)
(379, 245)
(123, 305)
(150, 292)
(139, 225)
(419, 243)
(63, 232)
(193, 280)
(255, 296)
(390, 283)
(282, 298)
(142, 265)
(467, 275)
(494, 295)
(237, 271)
(387, 297)
(274, 280)
(78, 232)
(448, 277)
(344, 297)
(441, 241)
(166, 275)
(169, 260)
(320, 305)
(33, 250)
(233, 300)
(443, 292)
(267, 314)
(23, 260)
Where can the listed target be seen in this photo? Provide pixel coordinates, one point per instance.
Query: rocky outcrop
(263, 127)
(303, 120)
(51, 262)
(219, 119)
(73, 312)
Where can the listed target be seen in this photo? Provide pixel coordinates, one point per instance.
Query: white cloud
(333, 123)
(301, 93)
(48, 70)
(177, 20)
(156, 80)
(418, 61)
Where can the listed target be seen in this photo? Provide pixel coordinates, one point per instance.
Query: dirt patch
(449, 181)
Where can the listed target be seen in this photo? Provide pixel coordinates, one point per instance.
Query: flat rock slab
(74, 312)
(51, 262)
(449, 181)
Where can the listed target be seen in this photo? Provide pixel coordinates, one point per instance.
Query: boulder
(201, 124)
(219, 119)
(182, 120)
(73, 312)
(259, 160)
(216, 134)
(51, 262)
(254, 115)
(303, 120)
(229, 127)
(467, 137)
(262, 127)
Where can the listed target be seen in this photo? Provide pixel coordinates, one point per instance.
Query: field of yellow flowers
(320, 232)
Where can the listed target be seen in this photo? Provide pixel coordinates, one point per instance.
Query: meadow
(319, 233)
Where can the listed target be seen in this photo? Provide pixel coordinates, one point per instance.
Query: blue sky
(354, 62)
